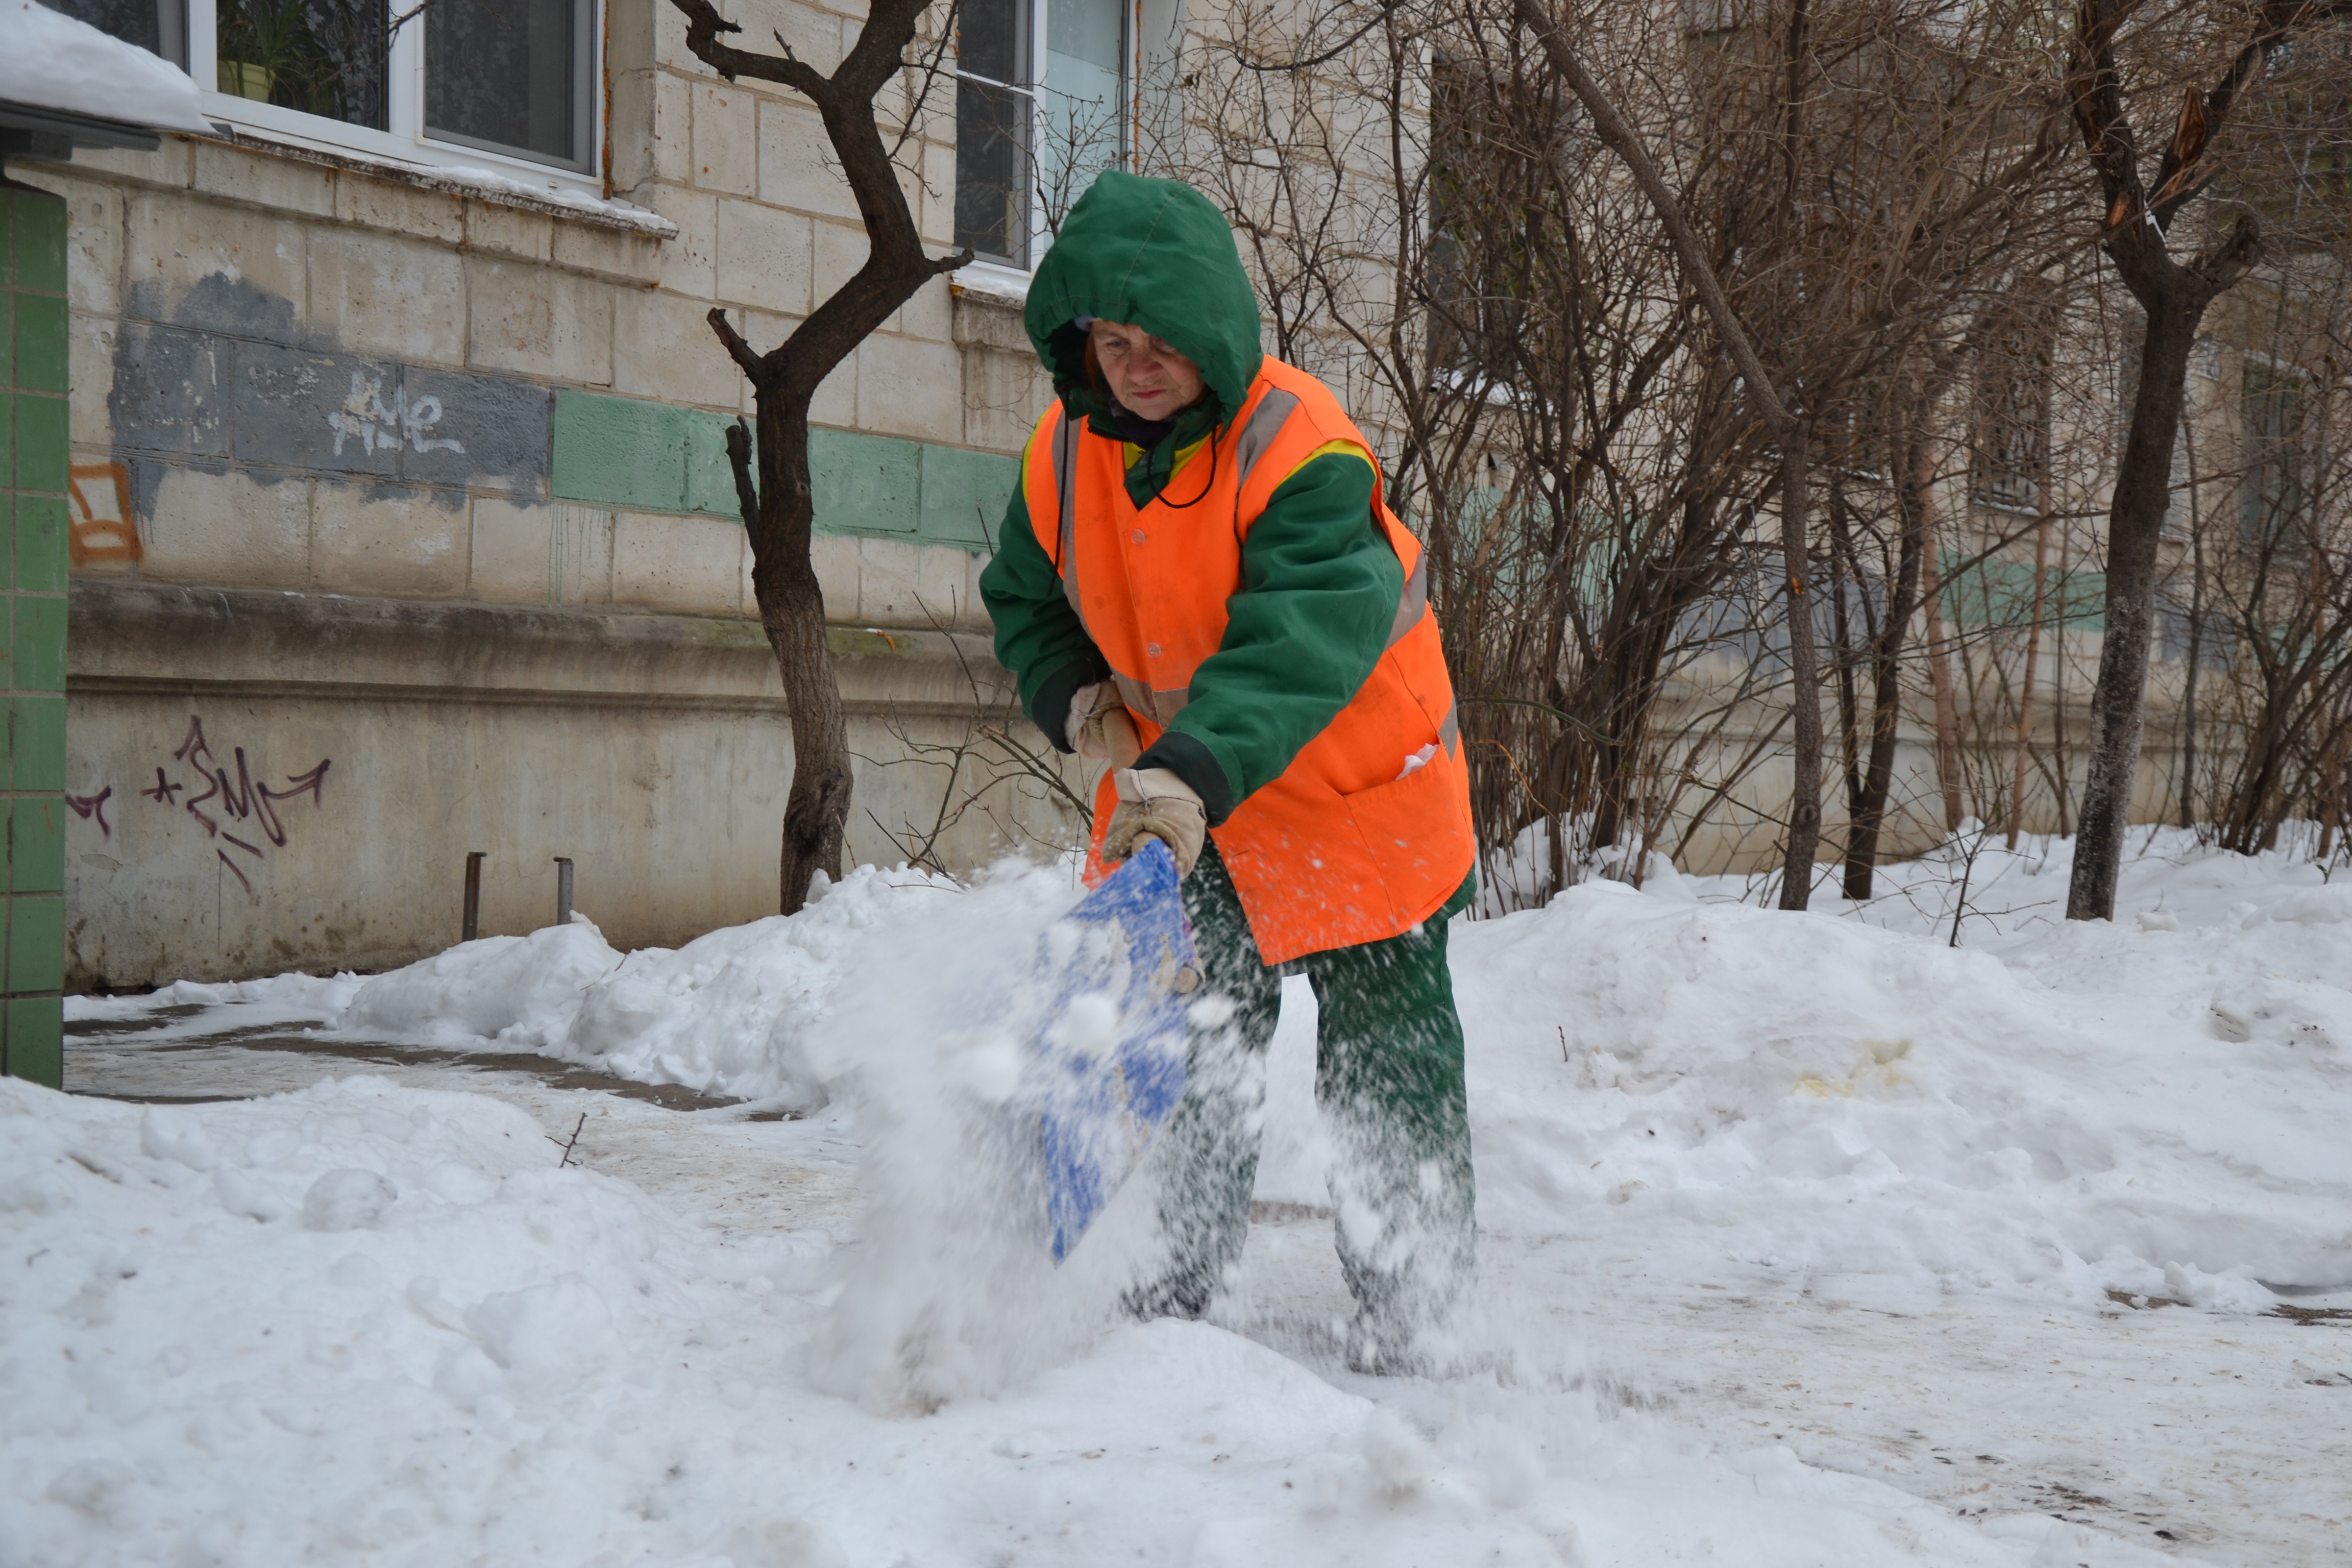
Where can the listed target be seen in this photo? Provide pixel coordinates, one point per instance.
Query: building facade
(401, 522)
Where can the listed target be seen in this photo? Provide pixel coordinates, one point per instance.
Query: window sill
(483, 176)
(993, 281)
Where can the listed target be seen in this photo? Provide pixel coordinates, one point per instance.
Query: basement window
(511, 86)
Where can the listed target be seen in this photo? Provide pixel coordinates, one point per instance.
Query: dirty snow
(1806, 1239)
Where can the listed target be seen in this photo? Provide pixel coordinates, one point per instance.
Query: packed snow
(49, 60)
(1716, 1144)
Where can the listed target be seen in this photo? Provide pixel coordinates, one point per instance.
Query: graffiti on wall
(102, 528)
(367, 418)
(86, 806)
(233, 812)
(226, 375)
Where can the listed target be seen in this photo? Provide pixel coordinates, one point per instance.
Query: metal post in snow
(473, 927)
(562, 889)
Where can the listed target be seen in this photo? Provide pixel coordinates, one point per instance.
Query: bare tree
(772, 475)
(2136, 228)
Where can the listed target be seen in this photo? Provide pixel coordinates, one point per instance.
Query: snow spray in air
(952, 1289)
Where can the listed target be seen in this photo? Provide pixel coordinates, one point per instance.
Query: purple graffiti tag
(236, 798)
(86, 806)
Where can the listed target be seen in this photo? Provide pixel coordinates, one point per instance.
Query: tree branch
(739, 457)
(738, 350)
(1621, 139)
(703, 26)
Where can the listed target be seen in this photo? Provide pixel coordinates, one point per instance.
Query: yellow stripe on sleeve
(1326, 449)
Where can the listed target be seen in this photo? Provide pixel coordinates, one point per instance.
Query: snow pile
(1839, 1098)
(734, 1013)
(737, 1012)
(366, 1323)
(48, 60)
(521, 991)
(1824, 1099)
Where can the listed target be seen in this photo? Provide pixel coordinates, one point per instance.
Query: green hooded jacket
(1319, 582)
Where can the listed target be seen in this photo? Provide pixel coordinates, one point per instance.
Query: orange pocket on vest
(1411, 828)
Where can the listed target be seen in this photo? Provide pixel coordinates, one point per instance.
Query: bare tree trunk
(2135, 522)
(2196, 639)
(2033, 662)
(1887, 691)
(1804, 679)
(778, 507)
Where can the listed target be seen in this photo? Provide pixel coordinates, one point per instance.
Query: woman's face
(1149, 379)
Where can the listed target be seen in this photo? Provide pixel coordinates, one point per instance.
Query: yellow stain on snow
(1878, 1068)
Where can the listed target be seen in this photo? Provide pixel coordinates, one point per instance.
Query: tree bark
(2135, 522)
(1920, 517)
(2196, 640)
(773, 484)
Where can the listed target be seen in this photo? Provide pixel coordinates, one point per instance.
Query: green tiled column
(33, 629)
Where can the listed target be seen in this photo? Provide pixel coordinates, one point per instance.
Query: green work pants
(1388, 1082)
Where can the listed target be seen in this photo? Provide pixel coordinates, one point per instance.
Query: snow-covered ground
(1805, 1239)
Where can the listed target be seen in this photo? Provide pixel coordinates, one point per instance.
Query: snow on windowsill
(993, 281)
(49, 60)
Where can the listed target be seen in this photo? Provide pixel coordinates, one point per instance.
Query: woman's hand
(1154, 802)
(1099, 727)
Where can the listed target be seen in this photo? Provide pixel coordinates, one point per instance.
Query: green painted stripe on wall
(639, 455)
(2000, 592)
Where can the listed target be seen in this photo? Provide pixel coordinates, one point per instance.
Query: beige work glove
(1100, 726)
(1153, 803)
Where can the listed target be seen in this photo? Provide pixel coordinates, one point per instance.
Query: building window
(2009, 456)
(324, 57)
(2270, 489)
(1043, 100)
(510, 84)
(995, 107)
(511, 75)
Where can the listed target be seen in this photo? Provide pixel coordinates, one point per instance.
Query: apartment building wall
(402, 528)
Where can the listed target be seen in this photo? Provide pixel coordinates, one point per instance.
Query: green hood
(1153, 254)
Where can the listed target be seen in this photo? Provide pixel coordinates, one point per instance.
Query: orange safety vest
(1360, 838)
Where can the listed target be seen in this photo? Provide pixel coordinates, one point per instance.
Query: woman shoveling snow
(1199, 582)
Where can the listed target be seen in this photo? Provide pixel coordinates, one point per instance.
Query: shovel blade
(1118, 972)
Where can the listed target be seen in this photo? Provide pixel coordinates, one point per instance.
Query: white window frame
(405, 139)
(997, 277)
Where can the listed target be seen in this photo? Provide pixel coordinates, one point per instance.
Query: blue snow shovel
(1116, 971)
